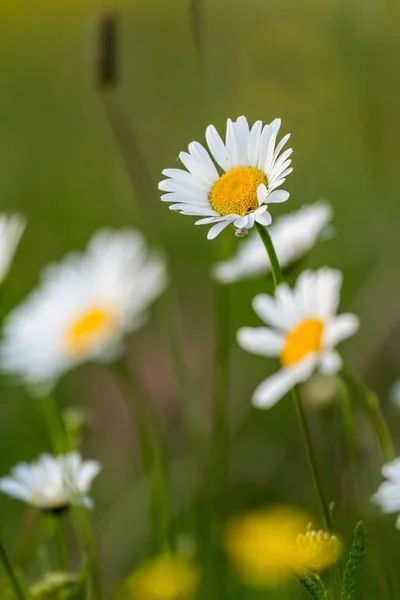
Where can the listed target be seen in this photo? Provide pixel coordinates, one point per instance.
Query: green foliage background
(331, 71)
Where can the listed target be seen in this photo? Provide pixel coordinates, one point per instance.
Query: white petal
(262, 193)
(242, 222)
(330, 363)
(253, 143)
(216, 230)
(264, 219)
(269, 311)
(209, 220)
(217, 147)
(392, 470)
(278, 196)
(88, 471)
(193, 210)
(270, 391)
(329, 282)
(14, 488)
(340, 328)
(260, 340)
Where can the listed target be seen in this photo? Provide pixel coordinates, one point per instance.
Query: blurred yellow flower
(164, 577)
(268, 546)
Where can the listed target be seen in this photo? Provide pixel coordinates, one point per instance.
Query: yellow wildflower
(266, 547)
(164, 577)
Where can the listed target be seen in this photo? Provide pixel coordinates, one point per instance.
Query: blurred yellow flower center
(303, 339)
(318, 550)
(236, 191)
(88, 328)
(166, 577)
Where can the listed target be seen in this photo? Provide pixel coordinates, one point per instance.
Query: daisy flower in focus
(267, 546)
(52, 483)
(11, 230)
(164, 577)
(251, 167)
(304, 330)
(293, 235)
(388, 495)
(83, 308)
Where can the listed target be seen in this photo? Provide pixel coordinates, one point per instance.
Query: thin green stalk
(16, 586)
(153, 457)
(273, 258)
(220, 434)
(84, 526)
(371, 403)
(312, 458)
(277, 277)
(349, 427)
(54, 423)
(189, 407)
(60, 542)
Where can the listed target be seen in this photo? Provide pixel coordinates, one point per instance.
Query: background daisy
(52, 483)
(388, 495)
(11, 230)
(304, 332)
(251, 168)
(83, 308)
(293, 236)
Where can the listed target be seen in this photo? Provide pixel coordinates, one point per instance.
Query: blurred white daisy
(293, 236)
(11, 230)
(251, 170)
(305, 330)
(83, 308)
(52, 483)
(388, 495)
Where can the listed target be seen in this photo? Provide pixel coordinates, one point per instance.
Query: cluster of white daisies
(84, 307)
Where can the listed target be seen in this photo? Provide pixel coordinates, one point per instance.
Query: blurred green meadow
(331, 71)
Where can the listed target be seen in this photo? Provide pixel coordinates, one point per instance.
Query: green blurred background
(331, 71)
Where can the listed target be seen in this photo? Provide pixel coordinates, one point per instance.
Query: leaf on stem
(356, 555)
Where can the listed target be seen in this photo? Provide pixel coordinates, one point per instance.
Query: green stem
(16, 586)
(54, 423)
(277, 277)
(62, 445)
(220, 432)
(153, 458)
(59, 540)
(273, 258)
(84, 526)
(349, 428)
(312, 458)
(189, 409)
(371, 403)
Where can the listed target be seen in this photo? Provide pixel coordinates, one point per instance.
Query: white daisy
(251, 168)
(304, 331)
(11, 230)
(52, 483)
(82, 308)
(293, 236)
(388, 495)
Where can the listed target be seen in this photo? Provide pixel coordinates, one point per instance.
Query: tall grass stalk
(19, 592)
(277, 278)
(370, 402)
(153, 458)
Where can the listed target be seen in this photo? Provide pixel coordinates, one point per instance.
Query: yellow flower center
(236, 191)
(303, 339)
(88, 328)
(317, 550)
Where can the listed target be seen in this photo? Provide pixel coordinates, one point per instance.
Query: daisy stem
(348, 424)
(16, 586)
(277, 277)
(153, 457)
(273, 258)
(54, 424)
(311, 458)
(60, 543)
(371, 403)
